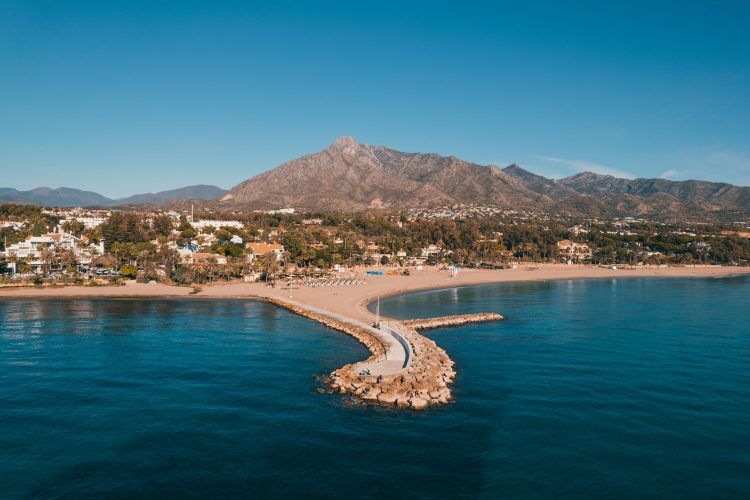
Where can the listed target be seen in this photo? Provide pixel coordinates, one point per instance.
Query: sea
(610, 388)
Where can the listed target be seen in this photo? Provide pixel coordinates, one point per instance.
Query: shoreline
(740, 271)
(385, 286)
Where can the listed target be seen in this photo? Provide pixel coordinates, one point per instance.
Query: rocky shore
(425, 379)
(423, 383)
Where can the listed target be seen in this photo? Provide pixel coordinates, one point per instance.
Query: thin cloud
(722, 165)
(587, 166)
(672, 173)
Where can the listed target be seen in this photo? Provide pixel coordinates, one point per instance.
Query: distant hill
(199, 192)
(69, 197)
(60, 197)
(665, 198)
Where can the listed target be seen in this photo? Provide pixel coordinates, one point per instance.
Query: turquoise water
(617, 388)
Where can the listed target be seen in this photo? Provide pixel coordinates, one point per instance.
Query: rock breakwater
(459, 319)
(425, 379)
(423, 383)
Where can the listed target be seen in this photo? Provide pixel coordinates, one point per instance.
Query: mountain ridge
(348, 175)
(71, 197)
(351, 176)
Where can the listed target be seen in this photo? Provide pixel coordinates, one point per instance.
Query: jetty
(455, 320)
(405, 368)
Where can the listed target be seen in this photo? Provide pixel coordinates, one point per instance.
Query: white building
(31, 248)
(286, 211)
(431, 251)
(202, 224)
(90, 222)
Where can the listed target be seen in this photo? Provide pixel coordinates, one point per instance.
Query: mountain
(559, 198)
(653, 196)
(352, 176)
(60, 197)
(199, 192)
(69, 197)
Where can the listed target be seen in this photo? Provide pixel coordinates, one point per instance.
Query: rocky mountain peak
(344, 144)
(348, 175)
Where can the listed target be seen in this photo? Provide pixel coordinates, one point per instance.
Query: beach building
(433, 251)
(257, 250)
(574, 252)
(31, 247)
(201, 257)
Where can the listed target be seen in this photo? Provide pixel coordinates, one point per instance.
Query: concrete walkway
(397, 348)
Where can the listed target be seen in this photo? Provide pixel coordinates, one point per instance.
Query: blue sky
(125, 97)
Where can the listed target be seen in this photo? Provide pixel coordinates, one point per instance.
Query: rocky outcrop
(424, 383)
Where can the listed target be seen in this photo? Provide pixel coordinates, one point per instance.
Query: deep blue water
(617, 388)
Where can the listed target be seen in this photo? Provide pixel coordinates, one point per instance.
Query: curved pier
(405, 368)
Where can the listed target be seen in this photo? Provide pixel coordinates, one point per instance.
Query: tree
(162, 225)
(168, 258)
(228, 249)
(293, 244)
(74, 227)
(187, 235)
(184, 225)
(68, 260)
(48, 256)
(236, 267)
(128, 271)
(269, 265)
(181, 274)
(124, 228)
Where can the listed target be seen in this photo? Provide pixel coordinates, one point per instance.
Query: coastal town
(88, 246)
(328, 266)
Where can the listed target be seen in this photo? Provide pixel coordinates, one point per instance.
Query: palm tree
(68, 260)
(48, 256)
(269, 265)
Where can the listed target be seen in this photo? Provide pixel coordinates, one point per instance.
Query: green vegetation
(144, 245)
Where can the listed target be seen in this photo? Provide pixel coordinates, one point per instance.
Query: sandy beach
(351, 300)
